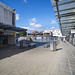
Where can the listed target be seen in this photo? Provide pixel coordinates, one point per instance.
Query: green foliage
(24, 33)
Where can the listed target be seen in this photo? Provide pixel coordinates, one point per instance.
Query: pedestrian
(31, 40)
(64, 39)
(61, 39)
(16, 40)
(67, 39)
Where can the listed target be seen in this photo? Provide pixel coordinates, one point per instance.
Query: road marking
(66, 70)
(69, 65)
(72, 54)
(68, 62)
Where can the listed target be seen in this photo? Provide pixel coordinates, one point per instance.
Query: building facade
(7, 17)
(48, 33)
(53, 32)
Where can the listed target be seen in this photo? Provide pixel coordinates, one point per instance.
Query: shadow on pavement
(59, 49)
(12, 50)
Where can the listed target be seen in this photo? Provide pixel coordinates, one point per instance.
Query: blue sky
(34, 14)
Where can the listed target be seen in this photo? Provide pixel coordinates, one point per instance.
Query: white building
(8, 25)
(56, 32)
(48, 32)
(7, 15)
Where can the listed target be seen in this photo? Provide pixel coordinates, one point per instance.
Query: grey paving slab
(73, 67)
(38, 61)
(73, 72)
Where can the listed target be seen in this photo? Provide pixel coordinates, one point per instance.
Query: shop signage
(6, 33)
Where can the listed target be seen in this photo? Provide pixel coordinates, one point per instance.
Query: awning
(11, 28)
(65, 14)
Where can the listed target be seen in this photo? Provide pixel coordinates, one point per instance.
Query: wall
(6, 14)
(56, 32)
(11, 39)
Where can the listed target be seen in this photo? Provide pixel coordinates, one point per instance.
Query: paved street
(38, 61)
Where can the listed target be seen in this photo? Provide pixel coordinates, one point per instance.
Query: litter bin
(53, 44)
(21, 44)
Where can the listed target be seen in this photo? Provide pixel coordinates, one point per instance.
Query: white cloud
(29, 28)
(35, 25)
(17, 16)
(53, 22)
(33, 20)
(33, 29)
(37, 29)
(38, 25)
(25, 1)
(52, 27)
(32, 24)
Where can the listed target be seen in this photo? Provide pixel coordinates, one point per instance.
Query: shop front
(8, 34)
(7, 38)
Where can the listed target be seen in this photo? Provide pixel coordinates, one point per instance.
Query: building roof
(11, 28)
(7, 7)
(65, 14)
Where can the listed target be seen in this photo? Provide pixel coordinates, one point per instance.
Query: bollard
(53, 45)
(21, 44)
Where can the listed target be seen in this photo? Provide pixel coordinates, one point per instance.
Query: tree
(23, 33)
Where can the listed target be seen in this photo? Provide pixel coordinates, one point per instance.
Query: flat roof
(65, 14)
(12, 28)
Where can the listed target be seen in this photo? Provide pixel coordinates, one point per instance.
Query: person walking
(64, 39)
